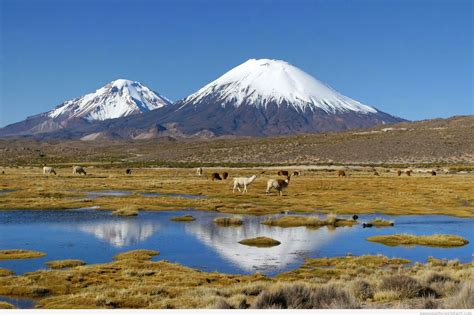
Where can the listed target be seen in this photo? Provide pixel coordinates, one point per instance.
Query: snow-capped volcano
(260, 82)
(272, 97)
(118, 98)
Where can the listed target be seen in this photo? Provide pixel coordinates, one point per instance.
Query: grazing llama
(399, 173)
(433, 173)
(341, 173)
(225, 175)
(199, 171)
(408, 173)
(78, 170)
(243, 182)
(48, 170)
(278, 184)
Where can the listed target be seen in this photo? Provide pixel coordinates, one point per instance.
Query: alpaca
(49, 170)
(128, 171)
(408, 173)
(278, 184)
(399, 173)
(341, 173)
(433, 173)
(199, 171)
(225, 175)
(240, 182)
(216, 176)
(78, 170)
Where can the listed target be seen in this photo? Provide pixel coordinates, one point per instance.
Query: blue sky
(413, 59)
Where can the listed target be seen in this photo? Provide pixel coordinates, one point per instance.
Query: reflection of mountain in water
(121, 233)
(295, 242)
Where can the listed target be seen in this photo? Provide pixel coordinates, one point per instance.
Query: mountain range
(261, 97)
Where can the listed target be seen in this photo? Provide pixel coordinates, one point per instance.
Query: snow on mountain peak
(118, 98)
(260, 82)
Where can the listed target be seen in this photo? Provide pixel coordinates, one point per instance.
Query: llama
(376, 173)
(199, 171)
(48, 170)
(216, 176)
(240, 182)
(282, 173)
(78, 170)
(296, 173)
(341, 173)
(408, 173)
(433, 173)
(399, 173)
(128, 171)
(278, 184)
(225, 175)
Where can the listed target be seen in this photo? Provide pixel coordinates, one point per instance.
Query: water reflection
(295, 243)
(121, 233)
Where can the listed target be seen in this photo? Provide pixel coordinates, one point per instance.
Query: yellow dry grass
(66, 263)
(295, 221)
(316, 191)
(436, 240)
(19, 254)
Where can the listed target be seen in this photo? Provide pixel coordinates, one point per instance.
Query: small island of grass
(20, 254)
(260, 241)
(184, 218)
(309, 221)
(436, 240)
(378, 222)
(228, 221)
(137, 254)
(66, 263)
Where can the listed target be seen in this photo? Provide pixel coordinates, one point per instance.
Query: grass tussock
(464, 298)
(66, 263)
(234, 221)
(308, 221)
(183, 218)
(19, 254)
(436, 240)
(260, 241)
(405, 286)
(137, 254)
(6, 305)
(129, 211)
(303, 296)
(379, 222)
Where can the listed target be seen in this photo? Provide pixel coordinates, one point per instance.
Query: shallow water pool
(95, 236)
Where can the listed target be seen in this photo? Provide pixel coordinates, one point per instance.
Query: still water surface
(95, 236)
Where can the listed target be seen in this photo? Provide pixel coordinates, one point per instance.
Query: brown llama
(408, 173)
(341, 173)
(399, 173)
(216, 176)
(225, 175)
